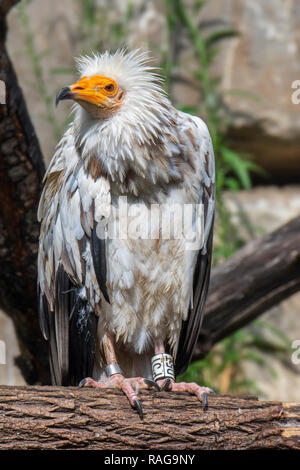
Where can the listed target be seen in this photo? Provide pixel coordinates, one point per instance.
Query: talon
(204, 401)
(152, 383)
(82, 382)
(165, 385)
(138, 408)
(118, 381)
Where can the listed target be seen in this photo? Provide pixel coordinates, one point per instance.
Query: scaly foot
(129, 387)
(192, 387)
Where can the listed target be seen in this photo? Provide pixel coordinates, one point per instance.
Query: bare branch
(70, 418)
(6, 5)
(256, 278)
(21, 172)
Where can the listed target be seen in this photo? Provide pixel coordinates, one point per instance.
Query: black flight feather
(72, 333)
(99, 258)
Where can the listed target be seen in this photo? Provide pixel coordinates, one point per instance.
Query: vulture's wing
(71, 265)
(191, 326)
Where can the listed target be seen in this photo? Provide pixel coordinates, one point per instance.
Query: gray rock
(262, 61)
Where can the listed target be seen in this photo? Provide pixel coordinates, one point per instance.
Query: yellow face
(97, 90)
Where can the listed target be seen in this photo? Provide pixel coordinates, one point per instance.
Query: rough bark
(258, 276)
(21, 172)
(70, 418)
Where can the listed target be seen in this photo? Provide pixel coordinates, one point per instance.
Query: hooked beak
(88, 89)
(64, 93)
(102, 92)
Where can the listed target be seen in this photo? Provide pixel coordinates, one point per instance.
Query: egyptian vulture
(126, 214)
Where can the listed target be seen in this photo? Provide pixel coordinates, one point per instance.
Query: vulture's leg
(129, 386)
(170, 384)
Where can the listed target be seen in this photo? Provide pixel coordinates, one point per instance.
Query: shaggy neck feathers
(131, 142)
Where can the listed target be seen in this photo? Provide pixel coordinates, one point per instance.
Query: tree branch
(254, 279)
(6, 5)
(72, 418)
(21, 173)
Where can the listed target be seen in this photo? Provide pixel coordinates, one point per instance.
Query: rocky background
(257, 69)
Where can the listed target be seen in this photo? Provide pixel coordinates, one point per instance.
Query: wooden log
(71, 418)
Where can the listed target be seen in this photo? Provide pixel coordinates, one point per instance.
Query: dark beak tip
(64, 93)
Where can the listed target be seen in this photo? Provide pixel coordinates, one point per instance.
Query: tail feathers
(82, 340)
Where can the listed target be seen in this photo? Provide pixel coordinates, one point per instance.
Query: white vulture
(122, 298)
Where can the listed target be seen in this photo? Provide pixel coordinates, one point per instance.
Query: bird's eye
(109, 87)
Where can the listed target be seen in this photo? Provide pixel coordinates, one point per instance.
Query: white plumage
(127, 146)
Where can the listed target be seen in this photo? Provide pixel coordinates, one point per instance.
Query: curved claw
(138, 408)
(152, 384)
(82, 382)
(165, 385)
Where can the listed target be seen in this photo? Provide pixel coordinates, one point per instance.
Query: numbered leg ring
(162, 367)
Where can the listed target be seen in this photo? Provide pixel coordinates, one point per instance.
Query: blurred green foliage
(222, 368)
(101, 29)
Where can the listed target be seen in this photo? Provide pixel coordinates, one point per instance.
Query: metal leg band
(162, 367)
(112, 369)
